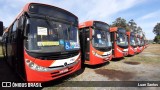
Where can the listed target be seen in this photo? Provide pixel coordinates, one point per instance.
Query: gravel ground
(140, 67)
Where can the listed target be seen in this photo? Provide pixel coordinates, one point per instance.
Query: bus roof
(85, 24)
(26, 9)
(113, 29)
(128, 33)
(89, 23)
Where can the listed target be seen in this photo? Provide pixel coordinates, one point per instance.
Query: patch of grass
(153, 48)
(150, 55)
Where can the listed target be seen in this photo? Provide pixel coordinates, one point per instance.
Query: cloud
(151, 15)
(104, 10)
(85, 10)
(107, 8)
(10, 9)
(148, 22)
(147, 27)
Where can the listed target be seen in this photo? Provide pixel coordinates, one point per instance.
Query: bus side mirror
(21, 22)
(93, 36)
(26, 31)
(1, 28)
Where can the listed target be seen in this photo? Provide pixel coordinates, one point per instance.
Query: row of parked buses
(45, 42)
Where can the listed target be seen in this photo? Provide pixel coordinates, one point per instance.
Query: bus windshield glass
(122, 37)
(101, 38)
(51, 36)
(132, 40)
(142, 41)
(138, 41)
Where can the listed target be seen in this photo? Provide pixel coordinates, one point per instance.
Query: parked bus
(95, 42)
(143, 42)
(140, 42)
(42, 43)
(119, 42)
(132, 46)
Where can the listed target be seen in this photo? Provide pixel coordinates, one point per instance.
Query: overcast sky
(146, 13)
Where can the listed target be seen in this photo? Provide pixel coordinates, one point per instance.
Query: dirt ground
(141, 67)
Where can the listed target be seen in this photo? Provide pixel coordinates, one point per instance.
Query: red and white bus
(42, 43)
(132, 46)
(143, 42)
(119, 42)
(140, 42)
(95, 42)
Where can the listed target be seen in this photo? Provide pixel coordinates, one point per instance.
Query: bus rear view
(95, 42)
(47, 43)
(119, 42)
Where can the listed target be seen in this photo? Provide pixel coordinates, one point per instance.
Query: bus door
(19, 54)
(113, 42)
(15, 49)
(85, 43)
(11, 45)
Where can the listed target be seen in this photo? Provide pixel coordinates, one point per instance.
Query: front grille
(59, 56)
(124, 47)
(103, 49)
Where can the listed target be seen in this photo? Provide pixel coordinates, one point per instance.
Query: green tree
(157, 39)
(156, 29)
(138, 30)
(132, 25)
(121, 22)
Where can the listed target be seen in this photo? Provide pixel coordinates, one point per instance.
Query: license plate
(64, 70)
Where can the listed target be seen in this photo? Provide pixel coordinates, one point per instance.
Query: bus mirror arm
(26, 14)
(92, 37)
(25, 37)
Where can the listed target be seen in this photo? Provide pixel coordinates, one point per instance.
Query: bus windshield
(101, 38)
(138, 41)
(122, 38)
(51, 36)
(132, 40)
(142, 41)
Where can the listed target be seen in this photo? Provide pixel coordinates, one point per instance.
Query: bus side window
(4, 39)
(9, 35)
(13, 32)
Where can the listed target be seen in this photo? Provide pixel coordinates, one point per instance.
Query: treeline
(156, 31)
(129, 26)
(133, 27)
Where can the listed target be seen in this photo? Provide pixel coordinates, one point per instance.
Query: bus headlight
(94, 53)
(34, 66)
